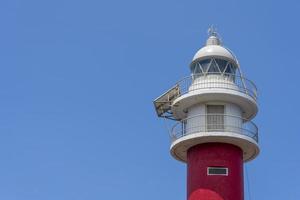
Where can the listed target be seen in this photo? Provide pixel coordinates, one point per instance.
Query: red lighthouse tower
(213, 133)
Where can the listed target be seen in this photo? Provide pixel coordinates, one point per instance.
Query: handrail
(223, 80)
(205, 123)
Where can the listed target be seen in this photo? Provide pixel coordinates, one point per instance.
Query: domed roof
(214, 48)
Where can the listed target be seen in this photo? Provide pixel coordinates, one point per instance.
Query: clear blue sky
(78, 79)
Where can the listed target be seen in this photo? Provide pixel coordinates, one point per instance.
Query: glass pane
(229, 69)
(193, 68)
(232, 68)
(213, 67)
(197, 69)
(222, 64)
(204, 64)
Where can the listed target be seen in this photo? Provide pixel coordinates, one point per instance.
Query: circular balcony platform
(197, 89)
(231, 129)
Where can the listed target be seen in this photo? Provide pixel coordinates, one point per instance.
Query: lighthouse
(212, 133)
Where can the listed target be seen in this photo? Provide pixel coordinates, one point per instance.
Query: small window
(221, 171)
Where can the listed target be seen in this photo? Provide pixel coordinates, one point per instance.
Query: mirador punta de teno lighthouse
(213, 132)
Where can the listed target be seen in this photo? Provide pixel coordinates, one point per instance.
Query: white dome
(213, 48)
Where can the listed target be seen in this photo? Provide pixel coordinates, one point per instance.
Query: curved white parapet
(197, 89)
(180, 146)
(246, 103)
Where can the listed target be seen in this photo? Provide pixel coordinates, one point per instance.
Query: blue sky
(78, 79)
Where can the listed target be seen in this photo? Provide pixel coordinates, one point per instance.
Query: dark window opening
(217, 171)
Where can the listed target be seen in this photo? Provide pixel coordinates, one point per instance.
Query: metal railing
(219, 81)
(214, 123)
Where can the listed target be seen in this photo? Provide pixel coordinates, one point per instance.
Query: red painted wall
(201, 186)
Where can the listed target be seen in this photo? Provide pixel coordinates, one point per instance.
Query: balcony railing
(214, 123)
(217, 81)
